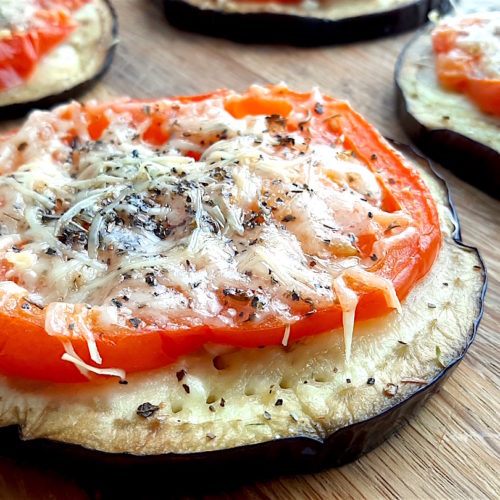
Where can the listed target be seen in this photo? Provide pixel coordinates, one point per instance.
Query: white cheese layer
(262, 225)
(481, 38)
(15, 14)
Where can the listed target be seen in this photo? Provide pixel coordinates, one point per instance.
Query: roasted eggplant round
(299, 406)
(301, 23)
(72, 67)
(445, 124)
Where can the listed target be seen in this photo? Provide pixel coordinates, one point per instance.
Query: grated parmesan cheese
(84, 368)
(153, 233)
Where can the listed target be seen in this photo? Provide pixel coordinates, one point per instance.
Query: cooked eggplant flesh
(307, 23)
(78, 59)
(330, 9)
(224, 397)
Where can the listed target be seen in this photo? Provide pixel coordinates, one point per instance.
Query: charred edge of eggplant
(17, 110)
(470, 160)
(274, 28)
(105, 471)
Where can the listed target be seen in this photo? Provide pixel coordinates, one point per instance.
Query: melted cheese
(481, 38)
(85, 369)
(15, 14)
(154, 234)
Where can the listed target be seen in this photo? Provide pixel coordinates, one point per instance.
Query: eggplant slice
(318, 22)
(301, 406)
(445, 124)
(70, 68)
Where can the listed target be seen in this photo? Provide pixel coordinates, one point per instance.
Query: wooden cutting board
(451, 447)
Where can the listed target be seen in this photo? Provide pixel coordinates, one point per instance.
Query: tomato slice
(462, 59)
(21, 51)
(28, 351)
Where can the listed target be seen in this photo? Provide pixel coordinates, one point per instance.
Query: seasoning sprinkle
(390, 390)
(116, 303)
(319, 108)
(438, 357)
(391, 226)
(135, 322)
(146, 410)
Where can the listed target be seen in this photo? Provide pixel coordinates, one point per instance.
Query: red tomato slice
(26, 350)
(460, 64)
(21, 52)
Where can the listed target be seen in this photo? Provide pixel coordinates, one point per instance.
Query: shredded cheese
(84, 368)
(157, 234)
(286, 336)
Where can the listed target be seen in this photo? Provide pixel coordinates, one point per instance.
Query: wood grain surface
(451, 447)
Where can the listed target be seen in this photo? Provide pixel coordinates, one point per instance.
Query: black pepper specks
(135, 322)
(151, 280)
(116, 303)
(318, 108)
(146, 410)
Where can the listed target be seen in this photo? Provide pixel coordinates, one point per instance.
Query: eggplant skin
(279, 28)
(58, 95)
(442, 137)
(327, 422)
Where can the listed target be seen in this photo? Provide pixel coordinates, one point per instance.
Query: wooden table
(451, 448)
